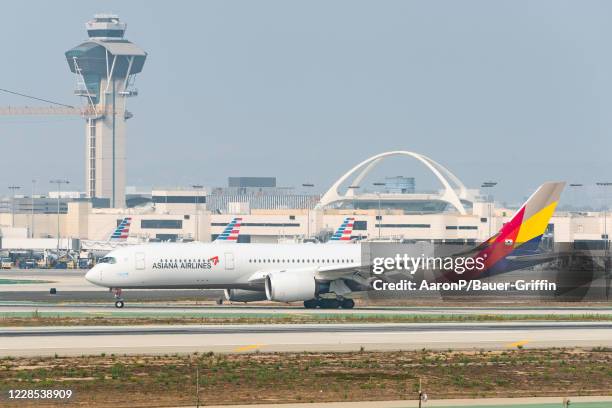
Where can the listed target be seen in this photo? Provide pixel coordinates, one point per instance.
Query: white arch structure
(452, 194)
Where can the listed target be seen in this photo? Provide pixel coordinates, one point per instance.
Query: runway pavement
(67, 279)
(76, 295)
(8, 308)
(37, 341)
(71, 286)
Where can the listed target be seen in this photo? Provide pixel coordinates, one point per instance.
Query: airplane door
(140, 260)
(229, 261)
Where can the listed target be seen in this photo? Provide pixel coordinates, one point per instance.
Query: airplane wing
(323, 274)
(331, 272)
(258, 277)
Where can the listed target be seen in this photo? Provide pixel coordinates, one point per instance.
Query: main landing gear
(323, 303)
(118, 299)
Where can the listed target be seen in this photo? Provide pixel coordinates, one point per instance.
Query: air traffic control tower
(105, 67)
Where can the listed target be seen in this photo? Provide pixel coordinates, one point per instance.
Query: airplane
(344, 231)
(231, 232)
(122, 231)
(299, 272)
(118, 238)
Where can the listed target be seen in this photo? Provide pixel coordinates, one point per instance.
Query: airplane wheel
(311, 304)
(330, 304)
(119, 304)
(348, 303)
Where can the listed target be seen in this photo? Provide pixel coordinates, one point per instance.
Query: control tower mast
(106, 66)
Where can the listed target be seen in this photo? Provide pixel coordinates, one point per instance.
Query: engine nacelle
(242, 295)
(291, 286)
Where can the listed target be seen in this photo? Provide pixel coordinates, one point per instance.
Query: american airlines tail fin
(122, 231)
(344, 231)
(231, 232)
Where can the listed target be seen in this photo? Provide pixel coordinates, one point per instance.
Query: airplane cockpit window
(107, 259)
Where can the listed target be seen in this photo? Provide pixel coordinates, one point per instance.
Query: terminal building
(274, 214)
(244, 194)
(105, 66)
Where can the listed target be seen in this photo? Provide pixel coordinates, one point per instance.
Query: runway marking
(247, 348)
(520, 343)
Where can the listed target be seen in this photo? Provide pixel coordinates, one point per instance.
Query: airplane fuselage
(212, 266)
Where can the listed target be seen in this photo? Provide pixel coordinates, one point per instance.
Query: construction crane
(89, 111)
(85, 112)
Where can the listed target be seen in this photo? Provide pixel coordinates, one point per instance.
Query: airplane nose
(93, 275)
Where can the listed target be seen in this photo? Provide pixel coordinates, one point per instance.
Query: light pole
(197, 187)
(308, 185)
(32, 209)
(605, 234)
(379, 216)
(59, 183)
(13, 189)
(574, 186)
(489, 184)
(197, 385)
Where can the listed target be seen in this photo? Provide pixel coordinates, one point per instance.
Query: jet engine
(242, 295)
(291, 286)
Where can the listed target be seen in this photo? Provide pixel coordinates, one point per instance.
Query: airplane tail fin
(524, 231)
(344, 231)
(122, 231)
(231, 232)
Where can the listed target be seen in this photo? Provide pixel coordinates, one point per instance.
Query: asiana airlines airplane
(325, 276)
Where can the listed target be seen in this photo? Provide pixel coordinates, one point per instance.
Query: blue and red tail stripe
(122, 230)
(231, 232)
(344, 232)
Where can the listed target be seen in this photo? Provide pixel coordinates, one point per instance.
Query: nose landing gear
(119, 300)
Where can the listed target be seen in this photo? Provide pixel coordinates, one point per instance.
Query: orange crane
(88, 111)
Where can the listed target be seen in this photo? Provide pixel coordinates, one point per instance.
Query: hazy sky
(514, 91)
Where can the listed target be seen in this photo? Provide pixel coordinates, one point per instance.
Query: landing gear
(329, 304)
(347, 303)
(311, 304)
(117, 294)
(324, 303)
